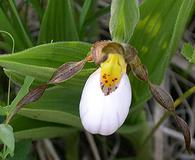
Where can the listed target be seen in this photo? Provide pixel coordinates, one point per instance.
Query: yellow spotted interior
(111, 72)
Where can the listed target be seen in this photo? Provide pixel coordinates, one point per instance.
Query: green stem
(177, 102)
(13, 47)
(14, 11)
(184, 96)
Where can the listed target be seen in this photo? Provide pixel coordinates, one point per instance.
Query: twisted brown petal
(186, 132)
(30, 97)
(162, 97)
(67, 71)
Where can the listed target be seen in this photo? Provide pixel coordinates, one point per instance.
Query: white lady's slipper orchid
(106, 97)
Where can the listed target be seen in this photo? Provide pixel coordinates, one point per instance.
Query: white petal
(102, 114)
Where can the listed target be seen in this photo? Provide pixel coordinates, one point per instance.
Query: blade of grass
(15, 13)
(84, 13)
(22, 92)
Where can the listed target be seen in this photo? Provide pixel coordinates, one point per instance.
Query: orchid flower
(106, 97)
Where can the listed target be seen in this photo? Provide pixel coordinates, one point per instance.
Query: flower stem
(177, 102)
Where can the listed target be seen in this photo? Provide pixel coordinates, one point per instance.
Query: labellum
(106, 96)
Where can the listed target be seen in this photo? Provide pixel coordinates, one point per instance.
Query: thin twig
(49, 146)
(93, 145)
(40, 151)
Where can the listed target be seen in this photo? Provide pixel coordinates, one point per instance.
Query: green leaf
(56, 105)
(10, 22)
(22, 150)
(76, 81)
(58, 23)
(72, 145)
(19, 23)
(41, 132)
(12, 108)
(189, 52)
(40, 62)
(22, 92)
(156, 38)
(124, 17)
(7, 137)
(26, 128)
(4, 110)
(84, 13)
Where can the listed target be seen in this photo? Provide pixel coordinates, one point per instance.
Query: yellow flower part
(111, 72)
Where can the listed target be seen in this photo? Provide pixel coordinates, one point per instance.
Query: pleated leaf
(58, 22)
(156, 38)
